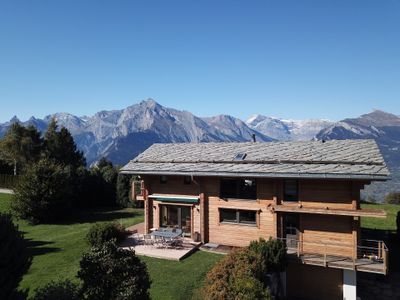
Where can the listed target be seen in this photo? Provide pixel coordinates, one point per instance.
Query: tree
(43, 193)
(123, 190)
(238, 276)
(100, 233)
(14, 258)
(60, 290)
(109, 273)
(21, 146)
(60, 146)
(248, 273)
(102, 183)
(398, 225)
(393, 198)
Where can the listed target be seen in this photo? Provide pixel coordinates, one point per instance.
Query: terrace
(161, 243)
(370, 256)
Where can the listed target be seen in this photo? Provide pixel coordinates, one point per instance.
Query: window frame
(237, 215)
(285, 199)
(239, 195)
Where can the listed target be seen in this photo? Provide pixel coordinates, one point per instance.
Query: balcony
(370, 256)
(137, 190)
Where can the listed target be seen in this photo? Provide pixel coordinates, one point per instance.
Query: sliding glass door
(173, 216)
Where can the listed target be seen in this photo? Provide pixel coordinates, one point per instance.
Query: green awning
(179, 199)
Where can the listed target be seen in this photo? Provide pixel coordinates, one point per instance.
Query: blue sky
(292, 59)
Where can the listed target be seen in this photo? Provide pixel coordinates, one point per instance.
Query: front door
(291, 230)
(174, 216)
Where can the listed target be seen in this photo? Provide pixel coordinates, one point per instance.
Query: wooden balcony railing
(369, 256)
(137, 190)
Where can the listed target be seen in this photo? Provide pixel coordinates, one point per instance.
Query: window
(163, 179)
(238, 188)
(240, 156)
(237, 216)
(187, 180)
(290, 190)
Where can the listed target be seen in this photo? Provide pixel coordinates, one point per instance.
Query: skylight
(240, 156)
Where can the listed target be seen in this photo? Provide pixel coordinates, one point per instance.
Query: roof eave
(374, 177)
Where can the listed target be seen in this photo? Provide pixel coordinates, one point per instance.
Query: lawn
(179, 280)
(379, 223)
(57, 250)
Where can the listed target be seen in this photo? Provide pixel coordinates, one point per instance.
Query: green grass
(379, 223)
(179, 280)
(57, 250)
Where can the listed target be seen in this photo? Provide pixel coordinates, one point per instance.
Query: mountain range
(120, 135)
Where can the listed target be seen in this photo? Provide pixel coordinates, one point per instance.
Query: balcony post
(298, 248)
(349, 284)
(202, 218)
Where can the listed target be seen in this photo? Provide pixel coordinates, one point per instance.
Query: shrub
(393, 198)
(60, 290)
(100, 233)
(273, 254)
(43, 193)
(238, 276)
(14, 258)
(248, 273)
(109, 273)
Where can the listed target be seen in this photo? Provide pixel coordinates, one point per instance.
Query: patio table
(166, 234)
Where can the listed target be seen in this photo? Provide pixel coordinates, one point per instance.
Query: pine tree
(60, 146)
(44, 193)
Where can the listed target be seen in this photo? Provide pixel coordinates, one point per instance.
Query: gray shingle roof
(359, 159)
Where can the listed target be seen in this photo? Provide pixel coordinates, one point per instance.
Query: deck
(338, 262)
(370, 256)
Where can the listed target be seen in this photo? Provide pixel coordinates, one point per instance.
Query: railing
(362, 256)
(137, 190)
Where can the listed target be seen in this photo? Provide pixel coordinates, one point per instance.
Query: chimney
(253, 137)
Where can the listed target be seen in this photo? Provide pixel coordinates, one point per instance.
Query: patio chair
(148, 241)
(168, 242)
(177, 242)
(159, 241)
(138, 239)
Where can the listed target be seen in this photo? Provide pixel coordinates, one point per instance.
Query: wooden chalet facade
(306, 193)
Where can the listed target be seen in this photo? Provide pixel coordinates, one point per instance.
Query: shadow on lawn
(98, 215)
(36, 248)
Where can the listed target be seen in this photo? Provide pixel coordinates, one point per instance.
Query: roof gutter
(262, 175)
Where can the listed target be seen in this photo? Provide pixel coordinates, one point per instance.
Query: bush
(100, 233)
(43, 193)
(393, 198)
(14, 258)
(248, 273)
(61, 290)
(273, 254)
(109, 273)
(238, 276)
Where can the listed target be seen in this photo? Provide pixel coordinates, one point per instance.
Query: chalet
(305, 193)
